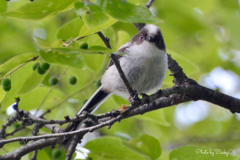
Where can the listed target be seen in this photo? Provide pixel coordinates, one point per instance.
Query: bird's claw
(145, 98)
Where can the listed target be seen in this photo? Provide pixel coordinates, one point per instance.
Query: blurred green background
(202, 36)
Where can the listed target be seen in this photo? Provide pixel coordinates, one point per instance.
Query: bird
(144, 64)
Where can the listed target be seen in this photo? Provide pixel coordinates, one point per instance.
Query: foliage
(200, 35)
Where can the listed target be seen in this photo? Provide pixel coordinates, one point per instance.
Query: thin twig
(159, 103)
(34, 156)
(44, 99)
(84, 130)
(71, 95)
(104, 39)
(13, 132)
(8, 123)
(72, 148)
(60, 122)
(149, 3)
(49, 92)
(21, 65)
(34, 133)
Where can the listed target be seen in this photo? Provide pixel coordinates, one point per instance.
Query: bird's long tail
(90, 106)
(95, 101)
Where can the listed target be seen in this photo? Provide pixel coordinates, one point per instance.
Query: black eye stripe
(151, 39)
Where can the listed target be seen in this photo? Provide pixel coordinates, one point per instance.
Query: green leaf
(119, 100)
(200, 153)
(189, 66)
(156, 116)
(123, 37)
(31, 82)
(98, 49)
(14, 62)
(91, 14)
(93, 61)
(120, 53)
(63, 56)
(127, 12)
(206, 127)
(46, 154)
(39, 9)
(45, 44)
(33, 99)
(42, 154)
(70, 29)
(147, 145)
(15, 39)
(108, 148)
(93, 17)
(91, 57)
(17, 80)
(87, 31)
(2, 94)
(232, 24)
(233, 4)
(3, 6)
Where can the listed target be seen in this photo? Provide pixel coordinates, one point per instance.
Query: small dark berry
(6, 84)
(40, 70)
(6, 89)
(53, 81)
(45, 66)
(83, 45)
(35, 65)
(56, 153)
(72, 80)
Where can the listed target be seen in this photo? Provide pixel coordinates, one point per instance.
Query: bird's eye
(141, 36)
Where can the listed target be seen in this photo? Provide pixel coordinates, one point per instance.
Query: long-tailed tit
(144, 65)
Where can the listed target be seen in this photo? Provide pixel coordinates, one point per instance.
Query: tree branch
(172, 96)
(17, 154)
(168, 97)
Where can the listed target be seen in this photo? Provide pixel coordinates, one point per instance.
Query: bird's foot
(145, 98)
(133, 99)
(129, 99)
(123, 108)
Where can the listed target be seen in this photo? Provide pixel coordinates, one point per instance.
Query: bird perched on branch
(144, 65)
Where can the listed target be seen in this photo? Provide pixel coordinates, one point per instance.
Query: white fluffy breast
(145, 67)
